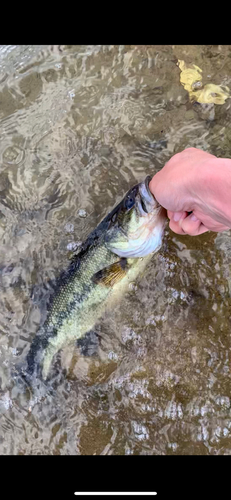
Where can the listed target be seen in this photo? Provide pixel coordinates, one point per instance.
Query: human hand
(198, 182)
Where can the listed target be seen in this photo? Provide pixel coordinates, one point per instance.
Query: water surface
(79, 125)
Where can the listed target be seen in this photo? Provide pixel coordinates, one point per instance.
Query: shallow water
(79, 125)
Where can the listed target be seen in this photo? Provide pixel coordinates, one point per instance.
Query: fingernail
(193, 217)
(177, 216)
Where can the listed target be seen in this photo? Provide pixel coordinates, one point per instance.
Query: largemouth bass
(113, 255)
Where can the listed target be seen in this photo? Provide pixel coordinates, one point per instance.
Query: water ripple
(79, 125)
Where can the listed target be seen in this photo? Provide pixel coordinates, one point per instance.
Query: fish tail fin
(28, 370)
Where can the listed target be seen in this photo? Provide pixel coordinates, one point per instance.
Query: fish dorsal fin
(109, 276)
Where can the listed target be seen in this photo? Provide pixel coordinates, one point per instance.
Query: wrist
(211, 188)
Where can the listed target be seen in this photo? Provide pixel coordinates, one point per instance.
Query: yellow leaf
(191, 77)
(213, 94)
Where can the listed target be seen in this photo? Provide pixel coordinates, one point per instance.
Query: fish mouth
(147, 182)
(146, 202)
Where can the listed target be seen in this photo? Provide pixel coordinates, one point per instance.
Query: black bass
(113, 255)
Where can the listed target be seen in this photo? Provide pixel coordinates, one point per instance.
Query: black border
(172, 477)
(58, 477)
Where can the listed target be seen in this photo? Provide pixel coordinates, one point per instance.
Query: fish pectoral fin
(109, 276)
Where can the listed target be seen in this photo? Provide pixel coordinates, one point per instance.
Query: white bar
(115, 493)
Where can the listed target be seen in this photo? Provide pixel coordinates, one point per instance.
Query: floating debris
(73, 245)
(191, 77)
(82, 213)
(69, 228)
(213, 94)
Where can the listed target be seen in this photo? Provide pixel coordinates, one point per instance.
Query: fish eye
(129, 202)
